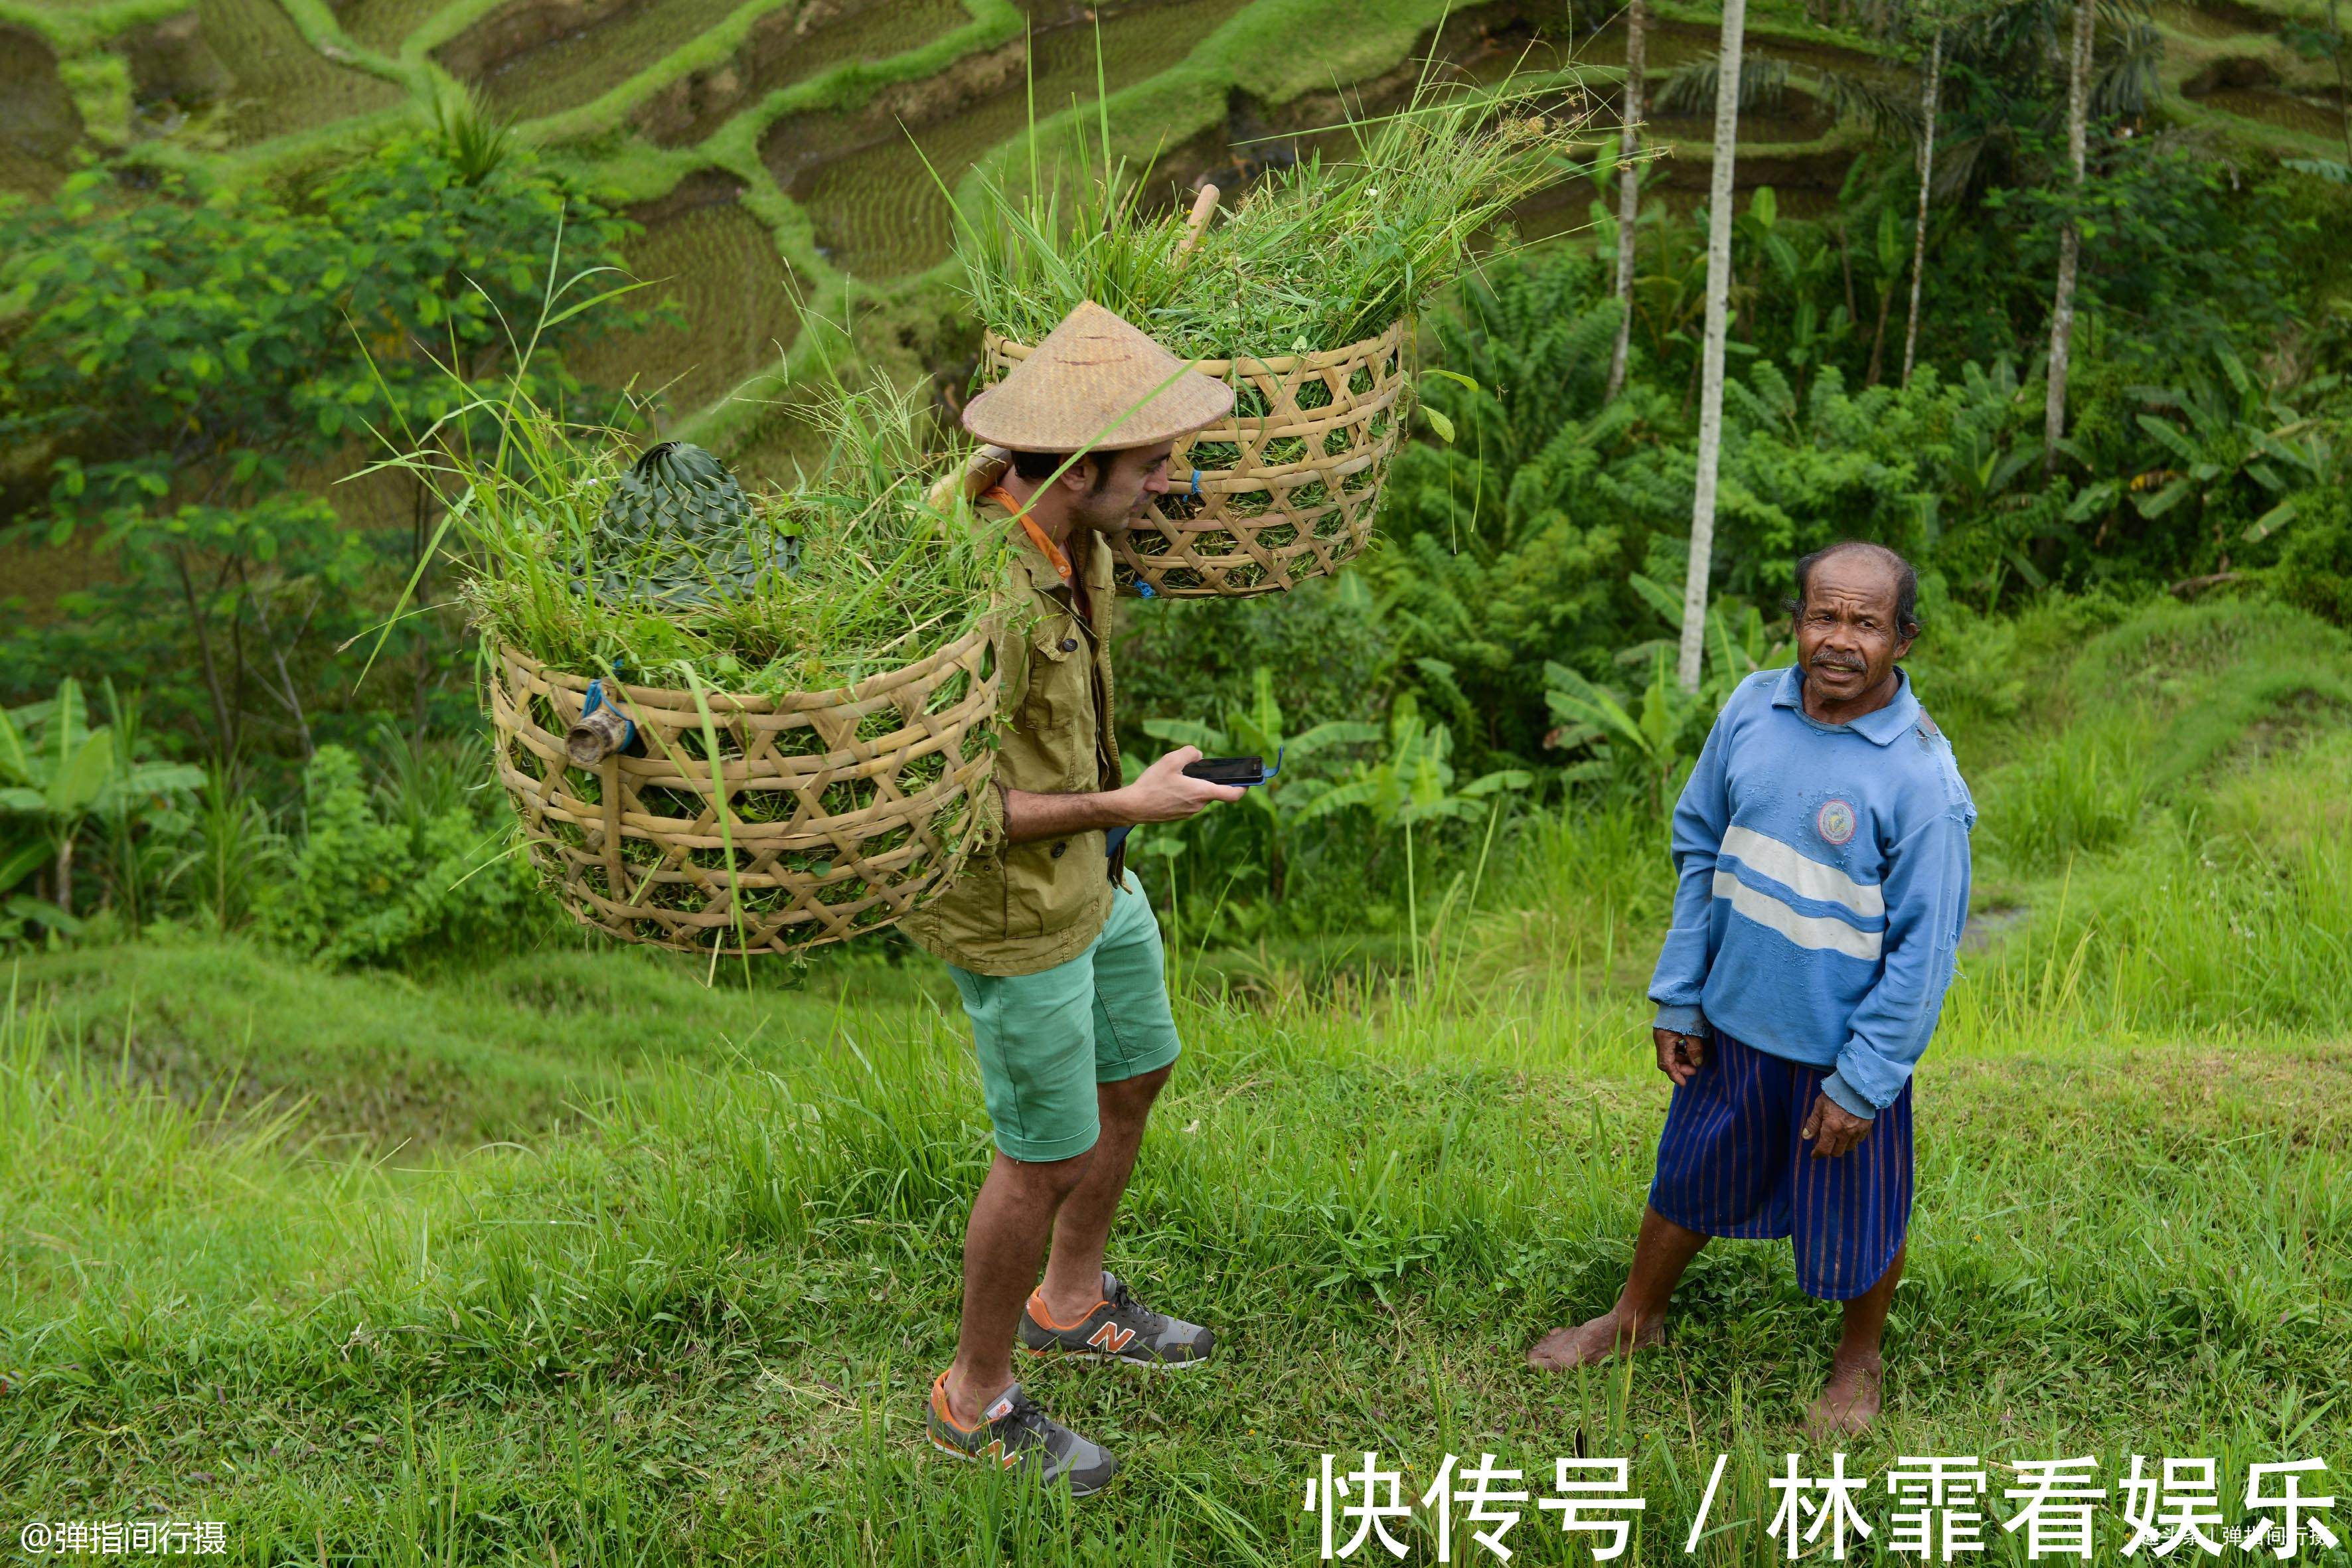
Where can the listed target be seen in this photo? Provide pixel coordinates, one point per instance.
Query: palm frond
(1887, 110)
(2125, 81)
(1691, 89)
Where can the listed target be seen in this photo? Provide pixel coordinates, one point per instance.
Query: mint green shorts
(1044, 1040)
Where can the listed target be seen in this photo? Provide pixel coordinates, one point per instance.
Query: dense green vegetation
(350, 1197)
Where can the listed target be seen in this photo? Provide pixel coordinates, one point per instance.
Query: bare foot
(1849, 1400)
(1590, 1342)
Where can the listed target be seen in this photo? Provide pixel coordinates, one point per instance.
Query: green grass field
(567, 1259)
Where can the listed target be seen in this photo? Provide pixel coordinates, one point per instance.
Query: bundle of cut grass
(794, 689)
(1301, 298)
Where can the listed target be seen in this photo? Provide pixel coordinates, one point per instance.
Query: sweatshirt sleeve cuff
(1849, 1100)
(1681, 1020)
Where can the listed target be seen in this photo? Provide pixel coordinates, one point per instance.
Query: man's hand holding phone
(1165, 793)
(1162, 793)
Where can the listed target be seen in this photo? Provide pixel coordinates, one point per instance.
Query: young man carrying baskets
(1052, 945)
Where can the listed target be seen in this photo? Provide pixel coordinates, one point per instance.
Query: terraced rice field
(580, 66)
(842, 104)
(283, 85)
(2310, 116)
(37, 122)
(720, 264)
(878, 210)
(384, 25)
(790, 46)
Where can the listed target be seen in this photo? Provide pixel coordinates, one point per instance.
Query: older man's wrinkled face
(1847, 634)
(1118, 487)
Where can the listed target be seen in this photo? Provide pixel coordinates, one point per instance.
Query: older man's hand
(1679, 1056)
(1833, 1130)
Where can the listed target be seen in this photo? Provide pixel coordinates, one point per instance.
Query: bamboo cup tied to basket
(833, 812)
(1285, 488)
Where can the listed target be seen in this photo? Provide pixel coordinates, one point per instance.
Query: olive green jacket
(1021, 908)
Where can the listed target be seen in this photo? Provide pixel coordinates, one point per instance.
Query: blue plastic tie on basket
(1144, 590)
(595, 699)
(1196, 484)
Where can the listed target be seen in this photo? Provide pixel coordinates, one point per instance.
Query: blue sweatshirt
(1823, 879)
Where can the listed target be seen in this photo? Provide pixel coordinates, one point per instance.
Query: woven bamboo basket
(1284, 489)
(845, 810)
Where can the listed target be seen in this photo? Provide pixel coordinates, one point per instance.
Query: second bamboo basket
(1285, 488)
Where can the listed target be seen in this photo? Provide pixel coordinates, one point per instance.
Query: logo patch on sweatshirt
(1834, 822)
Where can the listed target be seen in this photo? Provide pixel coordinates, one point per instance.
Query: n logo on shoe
(1110, 1337)
(995, 1450)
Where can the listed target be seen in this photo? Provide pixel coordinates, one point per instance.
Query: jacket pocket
(1051, 884)
(1056, 646)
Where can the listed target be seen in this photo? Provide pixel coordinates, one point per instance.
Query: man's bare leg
(1661, 1252)
(1849, 1400)
(1003, 1247)
(1082, 1230)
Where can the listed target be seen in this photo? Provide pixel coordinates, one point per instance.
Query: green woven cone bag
(679, 532)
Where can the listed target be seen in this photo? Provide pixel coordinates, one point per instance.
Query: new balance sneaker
(1120, 1328)
(1012, 1431)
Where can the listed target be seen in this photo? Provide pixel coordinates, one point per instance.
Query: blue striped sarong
(1730, 1162)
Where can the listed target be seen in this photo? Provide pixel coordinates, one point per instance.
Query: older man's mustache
(1825, 661)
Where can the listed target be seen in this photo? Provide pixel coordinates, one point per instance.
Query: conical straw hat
(1096, 382)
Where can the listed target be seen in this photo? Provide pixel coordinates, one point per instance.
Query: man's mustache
(1826, 661)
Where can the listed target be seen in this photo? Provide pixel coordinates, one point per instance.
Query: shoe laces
(1025, 1416)
(1123, 1300)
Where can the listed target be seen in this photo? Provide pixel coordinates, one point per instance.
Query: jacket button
(1069, 645)
(1064, 844)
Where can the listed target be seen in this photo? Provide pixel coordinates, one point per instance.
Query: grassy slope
(691, 1321)
(702, 1330)
(500, 1051)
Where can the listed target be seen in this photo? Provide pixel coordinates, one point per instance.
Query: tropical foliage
(191, 363)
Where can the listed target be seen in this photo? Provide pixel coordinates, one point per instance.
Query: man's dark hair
(1039, 467)
(1906, 580)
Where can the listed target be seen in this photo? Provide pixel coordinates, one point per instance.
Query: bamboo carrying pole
(1203, 205)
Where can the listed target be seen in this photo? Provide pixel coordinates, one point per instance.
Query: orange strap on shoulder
(1052, 552)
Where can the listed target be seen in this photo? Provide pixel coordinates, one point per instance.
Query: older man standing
(1052, 946)
(1822, 851)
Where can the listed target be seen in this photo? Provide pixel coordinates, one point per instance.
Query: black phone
(1242, 771)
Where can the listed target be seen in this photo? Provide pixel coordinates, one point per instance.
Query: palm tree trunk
(64, 876)
(205, 650)
(2070, 242)
(1878, 337)
(2343, 87)
(1927, 101)
(1846, 265)
(1629, 184)
(1718, 312)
